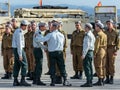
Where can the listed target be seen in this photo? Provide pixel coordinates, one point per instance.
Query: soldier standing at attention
(87, 54)
(38, 55)
(20, 61)
(14, 24)
(55, 41)
(6, 50)
(29, 51)
(76, 46)
(113, 42)
(100, 54)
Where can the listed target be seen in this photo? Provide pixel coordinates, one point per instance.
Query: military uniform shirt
(54, 39)
(88, 42)
(18, 41)
(38, 44)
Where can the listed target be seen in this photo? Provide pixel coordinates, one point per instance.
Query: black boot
(87, 84)
(100, 82)
(34, 80)
(111, 81)
(39, 82)
(16, 83)
(47, 73)
(10, 75)
(31, 76)
(52, 82)
(80, 76)
(28, 74)
(65, 82)
(23, 82)
(75, 76)
(107, 79)
(58, 80)
(6, 76)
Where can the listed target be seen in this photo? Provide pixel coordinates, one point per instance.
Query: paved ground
(7, 84)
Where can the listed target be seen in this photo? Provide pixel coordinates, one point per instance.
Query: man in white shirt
(20, 61)
(55, 41)
(87, 54)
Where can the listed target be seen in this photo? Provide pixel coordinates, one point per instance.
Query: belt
(90, 50)
(7, 48)
(110, 46)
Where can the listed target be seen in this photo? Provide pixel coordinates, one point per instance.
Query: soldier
(87, 55)
(29, 51)
(76, 46)
(20, 61)
(55, 41)
(100, 54)
(14, 24)
(58, 76)
(113, 43)
(38, 55)
(45, 43)
(95, 34)
(6, 50)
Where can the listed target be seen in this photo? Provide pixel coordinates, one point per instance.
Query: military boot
(66, 82)
(16, 82)
(80, 76)
(111, 81)
(34, 81)
(100, 82)
(52, 82)
(10, 75)
(23, 82)
(6, 76)
(75, 76)
(39, 82)
(107, 79)
(58, 80)
(87, 84)
(28, 74)
(31, 76)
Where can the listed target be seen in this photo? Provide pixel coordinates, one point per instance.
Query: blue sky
(91, 3)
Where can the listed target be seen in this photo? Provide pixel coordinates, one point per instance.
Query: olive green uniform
(100, 54)
(113, 43)
(6, 50)
(76, 46)
(29, 51)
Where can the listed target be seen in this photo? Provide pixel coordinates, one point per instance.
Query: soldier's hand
(115, 53)
(20, 58)
(82, 57)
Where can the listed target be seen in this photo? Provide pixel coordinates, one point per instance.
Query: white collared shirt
(88, 42)
(38, 44)
(55, 40)
(18, 40)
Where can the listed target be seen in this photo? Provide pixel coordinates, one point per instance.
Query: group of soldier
(24, 51)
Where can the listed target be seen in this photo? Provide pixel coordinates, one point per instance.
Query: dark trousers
(87, 64)
(56, 57)
(38, 55)
(19, 64)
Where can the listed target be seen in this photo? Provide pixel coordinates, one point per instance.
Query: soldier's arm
(97, 45)
(71, 47)
(117, 41)
(2, 47)
(66, 40)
